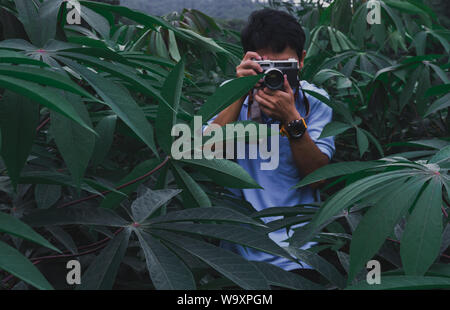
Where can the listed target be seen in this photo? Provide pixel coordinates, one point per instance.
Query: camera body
(274, 71)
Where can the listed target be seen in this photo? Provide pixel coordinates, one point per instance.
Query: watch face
(296, 128)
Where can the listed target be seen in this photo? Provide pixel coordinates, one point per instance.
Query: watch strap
(284, 132)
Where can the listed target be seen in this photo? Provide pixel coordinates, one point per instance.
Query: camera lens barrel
(274, 79)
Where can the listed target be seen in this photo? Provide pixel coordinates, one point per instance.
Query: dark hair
(269, 28)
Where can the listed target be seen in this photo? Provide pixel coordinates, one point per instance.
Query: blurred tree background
(86, 113)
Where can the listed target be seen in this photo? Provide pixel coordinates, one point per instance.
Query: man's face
(288, 53)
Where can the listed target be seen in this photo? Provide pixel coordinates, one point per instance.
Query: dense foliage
(226, 9)
(86, 113)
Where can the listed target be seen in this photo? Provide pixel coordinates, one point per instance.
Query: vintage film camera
(274, 71)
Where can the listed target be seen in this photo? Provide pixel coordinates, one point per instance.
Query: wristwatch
(294, 129)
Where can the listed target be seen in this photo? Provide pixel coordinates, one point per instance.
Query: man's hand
(248, 67)
(278, 104)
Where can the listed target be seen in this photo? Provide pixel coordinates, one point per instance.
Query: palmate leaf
(301, 209)
(19, 117)
(421, 239)
(363, 142)
(46, 195)
(137, 16)
(45, 96)
(167, 271)
(233, 266)
(102, 272)
(80, 215)
(74, 142)
(53, 177)
(240, 235)
(15, 263)
(439, 104)
(11, 225)
(44, 77)
(124, 72)
(441, 156)
(19, 59)
(112, 200)
(334, 129)
(357, 191)
(219, 214)
(434, 143)
(121, 102)
(62, 236)
(319, 264)
(28, 14)
(337, 169)
(105, 129)
(193, 195)
(166, 117)
(226, 95)
(371, 232)
(285, 279)
(150, 201)
(96, 21)
(224, 172)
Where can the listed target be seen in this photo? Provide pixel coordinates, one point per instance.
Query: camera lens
(274, 79)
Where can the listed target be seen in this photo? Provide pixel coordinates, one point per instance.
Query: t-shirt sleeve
(320, 115)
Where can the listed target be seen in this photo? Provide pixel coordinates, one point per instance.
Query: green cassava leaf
(226, 95)
(74, 142)
(223, 172)
(81, 215)
(320, 265)
(193, 195)
(371, 233)
(167, 271)
(166, 117)
(337, 169)
(120, 101)
(112, 200)
(11, 225)
(149, 202)
(219, 214)
(285, 279)
(240, 235)
(421, 239)
(44, 96)
(234, 267)
(19, 117)
(102, 272)
(14, 262)
(46, 195)
(334, 129)
(105, 129)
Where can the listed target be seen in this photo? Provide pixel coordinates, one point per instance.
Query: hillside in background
(223, 9)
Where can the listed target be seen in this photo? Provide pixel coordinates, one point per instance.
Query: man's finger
(263, 95)
(249, 64)
(264, 102)
(250, 55)
(267, 111)
(269, 91)
(247, 72)
(287, 86)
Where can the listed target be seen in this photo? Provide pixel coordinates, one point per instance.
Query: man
(276, 35)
